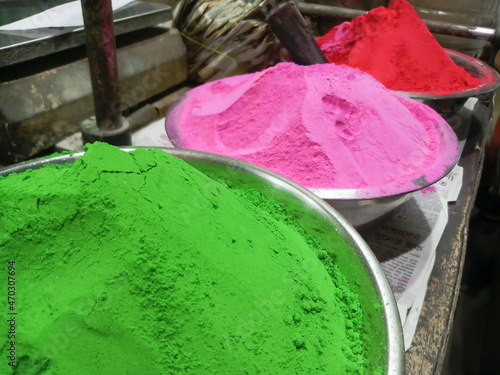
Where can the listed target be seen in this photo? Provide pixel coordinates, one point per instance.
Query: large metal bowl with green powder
(381, 323)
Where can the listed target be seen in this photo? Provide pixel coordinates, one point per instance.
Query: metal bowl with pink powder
(332, 129)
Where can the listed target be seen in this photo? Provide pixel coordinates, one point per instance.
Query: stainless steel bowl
(317, 218)
(447, 105)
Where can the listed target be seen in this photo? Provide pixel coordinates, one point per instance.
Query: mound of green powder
(137, 263)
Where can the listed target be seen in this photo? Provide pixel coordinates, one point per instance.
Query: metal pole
(473, 32)
(329, 11)
(98, 21)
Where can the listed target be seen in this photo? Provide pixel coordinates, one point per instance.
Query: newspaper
(405, 245)
(152, 135)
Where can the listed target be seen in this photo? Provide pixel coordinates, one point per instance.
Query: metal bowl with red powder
(447, 105)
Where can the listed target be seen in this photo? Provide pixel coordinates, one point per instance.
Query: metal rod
(436, 27)
(101, 52)
(329, 11)
(473, 32)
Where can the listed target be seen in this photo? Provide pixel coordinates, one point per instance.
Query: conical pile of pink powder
(395, 46)
(322, 126)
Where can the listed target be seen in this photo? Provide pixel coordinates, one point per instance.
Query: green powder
(137, 263)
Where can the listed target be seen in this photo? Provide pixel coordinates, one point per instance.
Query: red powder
(394, 46)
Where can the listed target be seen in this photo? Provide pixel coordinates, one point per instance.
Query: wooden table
(429, 347)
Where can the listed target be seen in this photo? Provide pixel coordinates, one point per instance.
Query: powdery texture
(322, 126)
(136, 263)
(395, 46)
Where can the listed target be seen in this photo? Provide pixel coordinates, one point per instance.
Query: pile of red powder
(395, 46)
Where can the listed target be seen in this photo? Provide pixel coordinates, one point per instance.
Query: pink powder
(322, 126)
